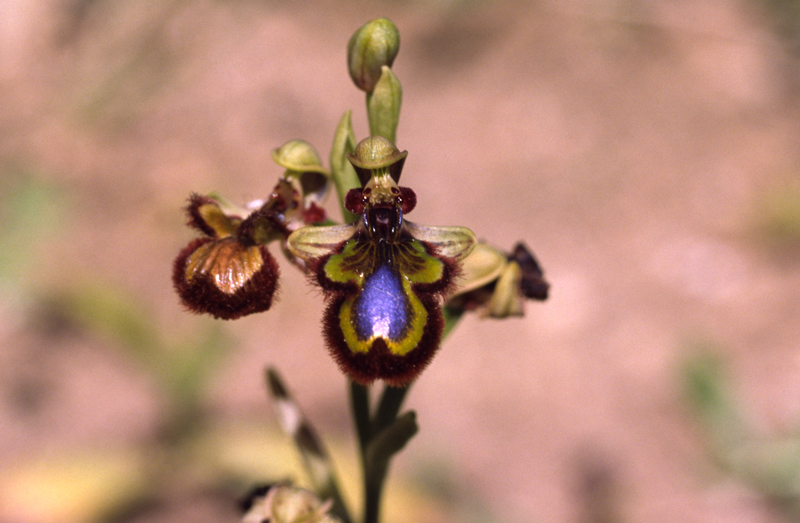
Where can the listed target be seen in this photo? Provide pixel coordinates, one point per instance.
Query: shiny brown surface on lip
(228, 263)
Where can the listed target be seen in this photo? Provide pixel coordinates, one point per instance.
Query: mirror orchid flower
(384, 278)
(228, 272)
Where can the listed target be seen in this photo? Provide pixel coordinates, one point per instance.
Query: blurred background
(647, 151)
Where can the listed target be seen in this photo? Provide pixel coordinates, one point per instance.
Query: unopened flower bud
(383, 105)
(374, 45)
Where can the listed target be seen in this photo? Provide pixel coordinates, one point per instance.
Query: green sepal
(229, 207)
(483, 266)
(344, 176)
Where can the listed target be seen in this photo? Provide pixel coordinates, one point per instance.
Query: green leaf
(380, 450)
(315, 457)
(391, 440)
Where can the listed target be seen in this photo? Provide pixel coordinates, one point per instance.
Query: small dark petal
(195, 219)
(283, 200)
(363, 174)
(396, 169)
(201, 292)
(379, 362)
(314, 214)
(408, 198)
(249, 499)
(354, 201)
(533, 284)
(261, 227)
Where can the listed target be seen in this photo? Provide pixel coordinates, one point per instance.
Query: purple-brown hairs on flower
(384, 278)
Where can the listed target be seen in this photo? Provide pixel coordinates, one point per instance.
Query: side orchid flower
(228, 272)
(497, 283)
(384, 278)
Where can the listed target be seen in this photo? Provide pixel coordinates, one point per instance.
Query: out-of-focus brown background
(647, 151)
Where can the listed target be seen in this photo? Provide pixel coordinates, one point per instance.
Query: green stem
(386, 414)
(369, 427)
(373, 487)
(359, 400)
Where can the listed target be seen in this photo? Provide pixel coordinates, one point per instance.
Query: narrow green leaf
(359, 400)
(316, 460)
(390, 441)
(451, 318)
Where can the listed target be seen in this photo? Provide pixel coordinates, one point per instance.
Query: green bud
(373, 46)
(377, 155)
(383, 105)
(302, 162)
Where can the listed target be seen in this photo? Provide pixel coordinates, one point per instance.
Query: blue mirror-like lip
(381, 309)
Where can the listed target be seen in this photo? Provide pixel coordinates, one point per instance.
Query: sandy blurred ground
(633, 145)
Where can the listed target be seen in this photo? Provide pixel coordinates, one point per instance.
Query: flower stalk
(394, 289)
